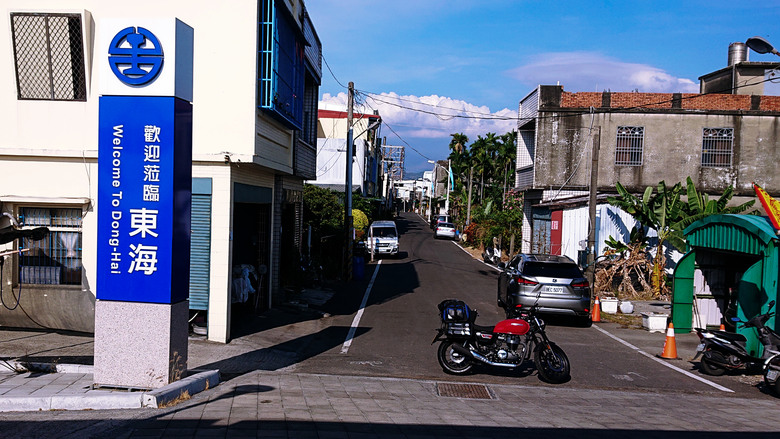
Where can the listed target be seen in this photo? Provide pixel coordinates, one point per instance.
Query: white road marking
(653, 357)
(485, 263)
(359, 315)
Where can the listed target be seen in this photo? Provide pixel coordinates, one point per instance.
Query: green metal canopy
(745, 244)
(738, 233)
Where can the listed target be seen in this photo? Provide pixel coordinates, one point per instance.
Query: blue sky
(475, 57)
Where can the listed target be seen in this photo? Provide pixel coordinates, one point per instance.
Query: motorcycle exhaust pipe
(476, 356)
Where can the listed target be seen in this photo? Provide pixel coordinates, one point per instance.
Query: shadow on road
(283, 354)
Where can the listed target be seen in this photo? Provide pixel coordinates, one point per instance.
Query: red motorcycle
(508, 344)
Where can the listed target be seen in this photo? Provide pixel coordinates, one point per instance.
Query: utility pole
(468, 209)
(348, 224)
(594, 179)
(449, 176)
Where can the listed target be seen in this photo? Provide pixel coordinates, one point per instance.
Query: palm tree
(478, 159)
(507, 150)
(458, 142)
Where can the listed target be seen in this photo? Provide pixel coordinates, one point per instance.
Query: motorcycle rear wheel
(451, 361)
(552, 364)
(711, 368)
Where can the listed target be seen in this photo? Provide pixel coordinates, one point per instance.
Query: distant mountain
(413, 175)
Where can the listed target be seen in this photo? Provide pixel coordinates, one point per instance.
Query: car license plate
(700, 347)
(771, 375)
(554, 289)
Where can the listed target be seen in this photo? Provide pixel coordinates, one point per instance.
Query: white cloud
(589, 71)
(429, 117)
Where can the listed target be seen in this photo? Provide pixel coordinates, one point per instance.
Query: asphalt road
(394, 329)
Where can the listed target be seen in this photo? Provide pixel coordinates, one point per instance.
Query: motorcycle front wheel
(552, 364)
(451, 360)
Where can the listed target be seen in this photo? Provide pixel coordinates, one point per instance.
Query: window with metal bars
(717, 147)
(49, 56)
(630, 142)
(55, 259)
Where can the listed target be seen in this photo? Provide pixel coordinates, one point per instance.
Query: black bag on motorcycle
(455, 311)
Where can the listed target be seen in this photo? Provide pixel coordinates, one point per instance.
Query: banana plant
(668, 215)
(700, 204)
(662, 211)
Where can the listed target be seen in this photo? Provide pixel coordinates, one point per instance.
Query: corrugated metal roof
(738, 233)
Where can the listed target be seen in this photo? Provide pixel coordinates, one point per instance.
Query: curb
(97, 399)
(52, 368)
(186, 386)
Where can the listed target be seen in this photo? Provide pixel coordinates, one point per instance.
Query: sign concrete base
(140, 345)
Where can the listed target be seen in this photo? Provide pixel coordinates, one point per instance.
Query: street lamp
(761, 45)
(449, 175)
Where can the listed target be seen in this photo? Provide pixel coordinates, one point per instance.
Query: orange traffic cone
(596, 315)
(722, 327)
(670, 346)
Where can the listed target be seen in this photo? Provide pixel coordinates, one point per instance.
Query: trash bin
(358, 267)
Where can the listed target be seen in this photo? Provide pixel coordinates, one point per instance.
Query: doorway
(251, 257)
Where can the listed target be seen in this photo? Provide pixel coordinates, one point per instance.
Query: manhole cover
(474, 391)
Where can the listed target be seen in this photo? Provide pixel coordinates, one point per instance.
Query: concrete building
(716, 138)
(257, 69)
(332, 149)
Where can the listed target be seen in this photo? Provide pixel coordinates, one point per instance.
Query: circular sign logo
(135, 56)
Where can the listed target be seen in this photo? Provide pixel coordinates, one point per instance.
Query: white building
(332, 151)
(254, 136)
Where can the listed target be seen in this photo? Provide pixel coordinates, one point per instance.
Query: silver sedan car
(554, 283)
(444, 230)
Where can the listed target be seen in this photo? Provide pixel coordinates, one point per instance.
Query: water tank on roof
(738, 52)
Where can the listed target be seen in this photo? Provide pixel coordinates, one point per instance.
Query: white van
(382, 238)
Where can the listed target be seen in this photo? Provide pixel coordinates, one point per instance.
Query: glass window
(546, 269)
(49, 56)
(55, 259)
(628, 150)
(717, 147)
(281, 78)
(383, 232)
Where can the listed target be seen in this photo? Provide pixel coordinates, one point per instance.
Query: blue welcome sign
(144, 196)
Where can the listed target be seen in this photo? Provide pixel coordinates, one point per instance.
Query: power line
(440, 115)
(331, 72)
(372, 94)
(374, 97)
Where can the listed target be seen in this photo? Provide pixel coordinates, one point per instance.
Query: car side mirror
(501, 265)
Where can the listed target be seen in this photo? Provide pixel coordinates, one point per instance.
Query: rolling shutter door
(200, 247)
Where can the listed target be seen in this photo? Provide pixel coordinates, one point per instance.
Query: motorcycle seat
(730, 336)
(478, 328)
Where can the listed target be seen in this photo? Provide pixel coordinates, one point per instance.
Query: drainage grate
(473, 391)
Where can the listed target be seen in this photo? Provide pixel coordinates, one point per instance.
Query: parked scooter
(492, 255)
(721, 351)
(508, 344)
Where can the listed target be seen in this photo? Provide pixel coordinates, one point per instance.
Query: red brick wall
(641, 100)
(770, 103)
(715, 102)
(689, 101)
(584, 99)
